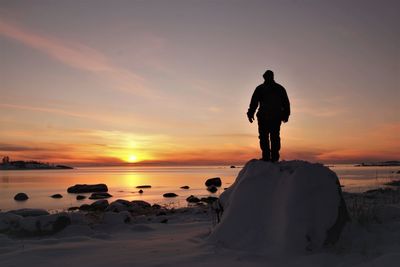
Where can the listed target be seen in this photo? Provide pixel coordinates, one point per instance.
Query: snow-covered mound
(280, 207)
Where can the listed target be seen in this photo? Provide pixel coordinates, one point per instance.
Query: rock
(39, 225)
(212, 189)
(208, 200)
(73, 208)
(143, 186)
(140, 191)
(192, 199)
(99, 205)
(170, 195)
(21, 197)
(185, 187)
(29, 212)
(124, 205)
(156, 206)
(80, 197)
(140, 204)
(56, 196)
(296, 205)
(117, 207)
(164, 221)
(85, 207)
(214, 182)
(87, 188)
(100, 195)
(123, 202)
(233, 166)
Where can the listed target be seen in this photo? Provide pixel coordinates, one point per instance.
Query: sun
(132, 158)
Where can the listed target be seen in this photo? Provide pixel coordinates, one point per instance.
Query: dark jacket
(272, 100)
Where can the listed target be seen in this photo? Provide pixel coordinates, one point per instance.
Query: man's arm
(285, 105)
(253, 105)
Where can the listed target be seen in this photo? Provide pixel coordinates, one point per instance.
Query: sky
(169, 82)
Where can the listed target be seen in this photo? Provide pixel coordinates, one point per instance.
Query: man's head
(268, 76)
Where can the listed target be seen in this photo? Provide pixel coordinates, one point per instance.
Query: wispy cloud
(78, 56)
(44, 109)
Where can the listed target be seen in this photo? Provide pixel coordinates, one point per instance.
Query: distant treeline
(28, 165)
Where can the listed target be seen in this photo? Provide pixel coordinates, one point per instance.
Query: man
(273, 107)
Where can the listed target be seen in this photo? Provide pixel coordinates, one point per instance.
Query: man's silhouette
(273, 108)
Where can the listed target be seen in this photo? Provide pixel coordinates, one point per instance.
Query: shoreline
(179, 237)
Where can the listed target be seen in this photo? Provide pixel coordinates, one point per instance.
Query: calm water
(122, 182)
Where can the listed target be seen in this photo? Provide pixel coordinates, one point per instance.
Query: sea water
(122, 183)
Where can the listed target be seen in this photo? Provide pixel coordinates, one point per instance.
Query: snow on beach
(252, 231)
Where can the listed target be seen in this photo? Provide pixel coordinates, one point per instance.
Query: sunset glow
(146, 84)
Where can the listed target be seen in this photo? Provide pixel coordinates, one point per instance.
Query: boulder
(209, 200)
(170, 195)
(101, 204)
(156, 206)
(287, 206)
(87, 188)
(185, 187)
(140, 191)
(212, 189)
(117, 207)
(21, 197)
(85, 207)
(143, 186)
(39, 225)
(214, 182)
(140, 204)
(192, 199)
(80, 197)
(124, 205)
(56, 196)
(100, 195)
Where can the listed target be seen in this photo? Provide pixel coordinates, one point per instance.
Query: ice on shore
(281, 207)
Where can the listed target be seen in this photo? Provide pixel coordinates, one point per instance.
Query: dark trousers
(269, 133)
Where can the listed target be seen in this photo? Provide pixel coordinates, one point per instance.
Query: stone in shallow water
(192, 199)
(185, 187)
(21, 197)
(212, 189)
(56, 196)
(170, 195)
(216, 181)
(87, 188)
(80, 197)
(143, 186)
(100, 195)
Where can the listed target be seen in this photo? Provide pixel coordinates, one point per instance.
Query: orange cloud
(78, 56)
